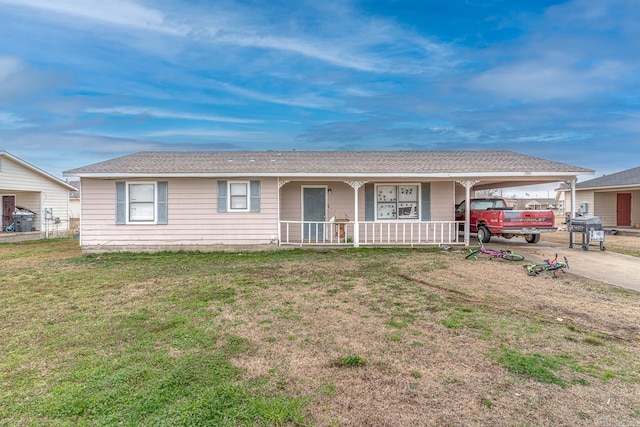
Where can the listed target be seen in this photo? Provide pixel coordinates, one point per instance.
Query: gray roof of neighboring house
(626, 177)
(75, 194)
(324, 162)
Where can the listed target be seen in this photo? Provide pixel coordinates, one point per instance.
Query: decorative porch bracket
(468, 185)
(282, 183)
(356, 225)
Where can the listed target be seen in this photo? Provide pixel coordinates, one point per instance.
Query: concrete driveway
(610, 267)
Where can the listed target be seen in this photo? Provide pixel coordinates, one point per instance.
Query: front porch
(371, 233)
(21, 237)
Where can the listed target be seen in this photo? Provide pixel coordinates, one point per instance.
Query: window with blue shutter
(222, 196)
(238, 196)
(255, 196)
(369, 202)
(142, 202)
(425, 199)
(121, 202)
(163, 202)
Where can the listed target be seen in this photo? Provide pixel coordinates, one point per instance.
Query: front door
(623, 209)
(8, 206)
(314, 209)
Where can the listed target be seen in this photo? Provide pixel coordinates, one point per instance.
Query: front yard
(346, 337)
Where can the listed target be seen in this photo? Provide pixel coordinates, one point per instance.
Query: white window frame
(230, 196)
(155, 202)
(398, 184)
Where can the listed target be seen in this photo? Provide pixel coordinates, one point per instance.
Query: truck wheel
(532, 238)
(484, 235)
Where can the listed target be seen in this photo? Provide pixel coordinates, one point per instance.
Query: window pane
(386, 211)
(238, 189)
(238, 192)
(408, 210)
(238, 202)
(141, 212)
(141, 192)
(407, 193)
(386, 193)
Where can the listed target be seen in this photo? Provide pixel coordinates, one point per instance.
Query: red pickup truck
(493, 217)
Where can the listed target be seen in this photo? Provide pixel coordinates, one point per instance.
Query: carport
(509, 175)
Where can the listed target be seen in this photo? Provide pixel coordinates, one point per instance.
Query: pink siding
(192, 218)
(340, 201)
(442, 201)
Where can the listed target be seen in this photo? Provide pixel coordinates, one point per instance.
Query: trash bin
(23, 219)
(590, 227)
(23, 222)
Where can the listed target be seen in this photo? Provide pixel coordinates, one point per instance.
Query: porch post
(356, 222)
(281, 183)
(467, 202)
(573, 198)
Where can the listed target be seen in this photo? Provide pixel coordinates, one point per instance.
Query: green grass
(350, 361)
(541, 368)
(78, 350)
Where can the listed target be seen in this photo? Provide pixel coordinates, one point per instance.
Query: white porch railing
(372, 233)
(315, 233)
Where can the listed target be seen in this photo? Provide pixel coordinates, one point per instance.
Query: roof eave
(118, 175)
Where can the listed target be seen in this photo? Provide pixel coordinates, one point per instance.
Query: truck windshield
(487, 204)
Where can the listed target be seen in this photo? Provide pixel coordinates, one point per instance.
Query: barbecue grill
(590, 227)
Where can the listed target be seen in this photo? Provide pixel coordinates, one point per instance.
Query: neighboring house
(23, 185)
(615, 198)
(539, 203)
(247, 200)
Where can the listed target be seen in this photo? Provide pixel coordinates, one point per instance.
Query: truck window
(484, 204)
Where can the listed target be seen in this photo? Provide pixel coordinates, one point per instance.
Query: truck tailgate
(532, 220)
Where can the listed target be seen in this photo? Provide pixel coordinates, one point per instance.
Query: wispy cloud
(9, 121)
(227, 135)
(164, 114)
(549, 79)
(114, 12)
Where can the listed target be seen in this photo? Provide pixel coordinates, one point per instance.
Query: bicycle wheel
(474, 254)
(533, 270)
(510, 256)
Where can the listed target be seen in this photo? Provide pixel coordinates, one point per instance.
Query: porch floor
(21, 236)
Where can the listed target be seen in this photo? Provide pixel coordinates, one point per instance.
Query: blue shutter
(163, 199)
(369, 202)
(255, 196)
(121, 203)
(222, 196)
(425, 197)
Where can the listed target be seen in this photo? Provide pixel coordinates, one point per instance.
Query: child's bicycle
(552, 266)
(507, 255)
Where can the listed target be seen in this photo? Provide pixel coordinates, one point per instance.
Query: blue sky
(83, 81)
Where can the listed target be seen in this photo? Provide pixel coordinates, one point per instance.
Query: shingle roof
(324, 162)
(626, 177)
